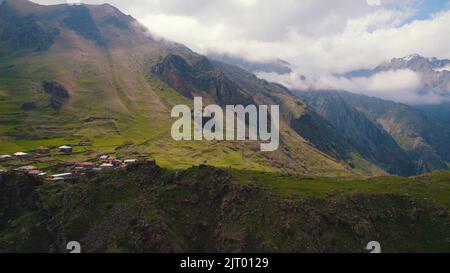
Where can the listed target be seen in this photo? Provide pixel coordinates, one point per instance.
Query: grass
(434, 186)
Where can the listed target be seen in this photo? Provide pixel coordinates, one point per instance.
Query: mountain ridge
(434, 74)
(425, 140)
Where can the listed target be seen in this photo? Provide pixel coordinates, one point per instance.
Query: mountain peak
(412, 57)
(416, 62)
(413, 62)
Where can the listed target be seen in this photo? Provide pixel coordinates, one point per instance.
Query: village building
(65, 149)
(21, 155)
(104, 158)
(43, 150)
(58, 179)
(130, 161)
(87, 165)
(2, 171)
(61, 176)
(26, 169)
(79, 169)
(115, 162)
(5, 158)
(107, 166)
(42, 174)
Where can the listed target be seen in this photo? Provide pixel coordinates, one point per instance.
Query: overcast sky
(318, 36)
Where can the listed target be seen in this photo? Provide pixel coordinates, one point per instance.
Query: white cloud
(315, 34)
(402, 86)
(374, 2)
(321, 37)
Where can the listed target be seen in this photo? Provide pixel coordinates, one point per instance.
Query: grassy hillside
(204, 209)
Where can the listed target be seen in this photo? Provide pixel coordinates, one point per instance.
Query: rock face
(149, 209)
(195, 76)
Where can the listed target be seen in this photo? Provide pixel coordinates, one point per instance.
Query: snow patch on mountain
(442, 69)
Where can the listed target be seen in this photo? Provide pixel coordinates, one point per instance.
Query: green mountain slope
(103, 94)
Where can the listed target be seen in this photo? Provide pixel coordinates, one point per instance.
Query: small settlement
(68, 170)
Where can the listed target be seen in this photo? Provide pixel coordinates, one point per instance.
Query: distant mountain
(435, 73)
(368, 137)
(276, 66)
(386, 130)
(416, 63)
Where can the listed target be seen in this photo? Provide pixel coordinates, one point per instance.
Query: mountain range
(384, 129)
(95, 78)
(434, 73)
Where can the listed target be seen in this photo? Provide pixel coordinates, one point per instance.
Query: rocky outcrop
(203, 209)
(196, 76)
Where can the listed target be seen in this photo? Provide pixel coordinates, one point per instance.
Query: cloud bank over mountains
(402, 85)
(319, 36)
(413, 79)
